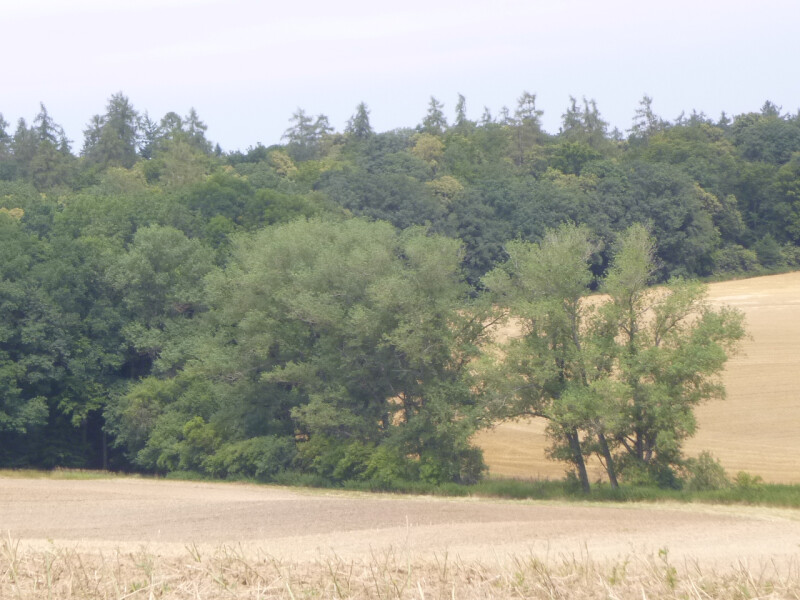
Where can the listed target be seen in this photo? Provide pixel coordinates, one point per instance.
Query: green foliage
(261, 458)
(110, 140)
(622, 375)
(147, 255)
(387, 467)
(766, 137)
(570, 157)
(306, 136)
(161, 274)
(671, 346)
(358, 125)
(734, 259)
(769, 252)
(332, 332)
(746, 481)
(706, 473)
(545, 373)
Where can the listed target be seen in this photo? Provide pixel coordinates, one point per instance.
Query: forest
(318, 308)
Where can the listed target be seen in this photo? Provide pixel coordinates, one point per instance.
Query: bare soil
(755, 429)
(167, 518)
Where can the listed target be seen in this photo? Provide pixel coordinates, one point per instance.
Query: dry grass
(753, 430)
(59, 572)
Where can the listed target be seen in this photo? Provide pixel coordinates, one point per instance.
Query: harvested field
(145, 538)
(756, 429)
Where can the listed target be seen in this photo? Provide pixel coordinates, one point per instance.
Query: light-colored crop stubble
(228, 573)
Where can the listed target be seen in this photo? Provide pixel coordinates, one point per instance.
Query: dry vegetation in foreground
(63, 573)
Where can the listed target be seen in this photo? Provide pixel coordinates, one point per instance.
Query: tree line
(321, 306)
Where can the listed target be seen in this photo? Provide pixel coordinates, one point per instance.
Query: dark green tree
(358, 125)
(527, 127)
(645, 121)
(584, 124)
(111, 140)
(347, 339)
(434, 123)
(306, 134)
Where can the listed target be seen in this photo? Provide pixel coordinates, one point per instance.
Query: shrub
(653, 474)
(734, 259)
(354, 462)
(791, 255)
(705, 473)
(745, 481)
(388, 466)
(769, 252)
(199, 442)
(260, 457)
(185, 476)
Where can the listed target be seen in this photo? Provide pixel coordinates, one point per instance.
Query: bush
(769, 252)
(354, 462)
(745, 481)
(388, 466)
(185, 476)
(791, 255)
(734, 259)
(260, 457)
(705, 473)
(636, 473)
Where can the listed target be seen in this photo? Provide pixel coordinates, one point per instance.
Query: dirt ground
(756, 429)
(165, 518)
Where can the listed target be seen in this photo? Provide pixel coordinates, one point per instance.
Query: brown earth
(756, 429)
(167, 518)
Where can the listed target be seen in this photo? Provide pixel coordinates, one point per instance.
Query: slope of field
(299, 525)
(136, 538)
(756, 429)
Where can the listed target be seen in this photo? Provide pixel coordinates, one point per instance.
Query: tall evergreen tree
(358, 125)
(434, 122)
(111, 140)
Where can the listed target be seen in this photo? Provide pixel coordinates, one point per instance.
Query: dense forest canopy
(165, 305)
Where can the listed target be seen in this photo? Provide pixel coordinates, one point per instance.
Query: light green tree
(545, 372)
(618, 376)
(671, 347)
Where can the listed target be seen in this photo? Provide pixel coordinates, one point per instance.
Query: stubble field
(138, 538)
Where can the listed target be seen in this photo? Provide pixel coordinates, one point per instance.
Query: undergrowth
(744, 489)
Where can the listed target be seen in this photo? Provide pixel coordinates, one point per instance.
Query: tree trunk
(577, 458)
(610, 469)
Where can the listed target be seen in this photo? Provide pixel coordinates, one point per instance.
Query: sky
(247, 65)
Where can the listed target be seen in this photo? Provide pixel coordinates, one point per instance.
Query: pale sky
(246, 66)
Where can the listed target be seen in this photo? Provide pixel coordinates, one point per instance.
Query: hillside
(754, 429)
